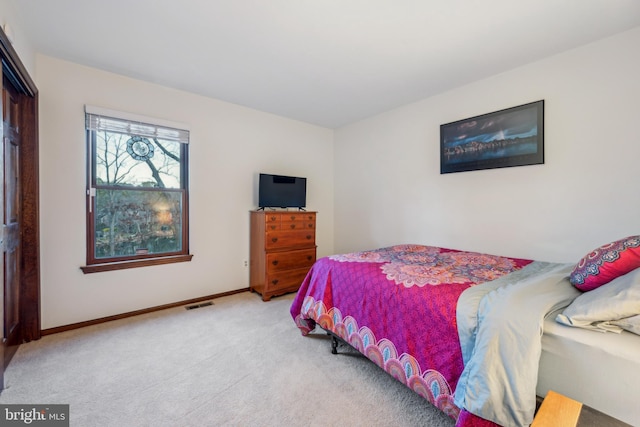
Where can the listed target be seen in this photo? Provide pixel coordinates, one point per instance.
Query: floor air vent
(204, 304)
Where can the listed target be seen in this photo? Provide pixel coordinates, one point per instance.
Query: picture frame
(505, 138)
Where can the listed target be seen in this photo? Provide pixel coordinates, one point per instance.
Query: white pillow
(596, 309)
(631, 324)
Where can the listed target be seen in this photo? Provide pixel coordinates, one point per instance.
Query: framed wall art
(505, 138)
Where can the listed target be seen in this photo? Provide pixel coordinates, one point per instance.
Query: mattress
(601, 370)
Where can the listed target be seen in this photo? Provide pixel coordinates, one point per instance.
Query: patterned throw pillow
(606, 263)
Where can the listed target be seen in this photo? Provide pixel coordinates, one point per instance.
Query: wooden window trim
(134, 263)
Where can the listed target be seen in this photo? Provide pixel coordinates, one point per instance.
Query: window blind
(101, 119)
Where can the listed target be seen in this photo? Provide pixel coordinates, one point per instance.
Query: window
(137, 191)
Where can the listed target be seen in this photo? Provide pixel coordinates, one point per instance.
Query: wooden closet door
(11, 213)
(19, 204)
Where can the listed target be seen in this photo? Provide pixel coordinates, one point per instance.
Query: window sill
(134, 263)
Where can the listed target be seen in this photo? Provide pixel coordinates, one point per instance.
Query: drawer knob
(309, 236)
(273, 218)
(274, 239)
(293, 226)
(274, 262)
(310, 225)
(293, 217)
(274, 281)
(309, 258)
(273, 227)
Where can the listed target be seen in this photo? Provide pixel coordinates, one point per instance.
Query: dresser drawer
(272, 217)
(289, 238)
(273, 226)
(296, 225)
(297, 216)
(278, 261)
(290, 279)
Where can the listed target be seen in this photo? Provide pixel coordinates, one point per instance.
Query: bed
(463, 330)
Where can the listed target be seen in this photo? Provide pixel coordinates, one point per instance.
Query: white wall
(229, 146)
(389, 189)
(12, 26)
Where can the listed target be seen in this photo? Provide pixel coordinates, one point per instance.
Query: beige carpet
(239, 362)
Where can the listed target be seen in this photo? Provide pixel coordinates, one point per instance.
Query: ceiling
(326, 62)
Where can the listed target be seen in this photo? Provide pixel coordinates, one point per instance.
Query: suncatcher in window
(137, 192)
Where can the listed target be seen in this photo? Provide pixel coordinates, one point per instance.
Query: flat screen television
(278, 191)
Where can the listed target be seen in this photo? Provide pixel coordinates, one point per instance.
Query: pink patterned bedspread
(397, 306)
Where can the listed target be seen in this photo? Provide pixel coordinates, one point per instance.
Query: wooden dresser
(283, 248)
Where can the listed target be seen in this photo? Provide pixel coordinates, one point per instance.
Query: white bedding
(601, 370)
(499, 325)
